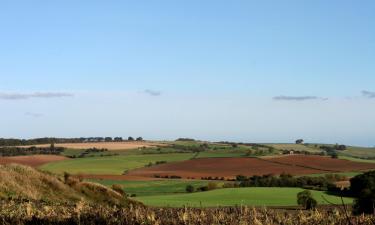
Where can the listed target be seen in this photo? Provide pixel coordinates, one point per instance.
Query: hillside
(23, 182)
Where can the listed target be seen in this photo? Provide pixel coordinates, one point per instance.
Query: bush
(211, 186)
(306, 200)
(190, 188)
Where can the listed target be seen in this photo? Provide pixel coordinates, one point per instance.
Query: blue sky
(257, 71)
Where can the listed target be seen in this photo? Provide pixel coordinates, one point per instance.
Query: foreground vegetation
(83, 213)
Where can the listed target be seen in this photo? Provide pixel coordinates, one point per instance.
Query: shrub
(306, 200)
(190, 188)
(212, 186)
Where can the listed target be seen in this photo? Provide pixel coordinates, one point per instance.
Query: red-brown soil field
(31, 160)
(323, 163)
(231, 167)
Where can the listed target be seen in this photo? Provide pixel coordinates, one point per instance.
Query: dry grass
(82, 213)
(22, 182)
(108, 145)
(27, 183)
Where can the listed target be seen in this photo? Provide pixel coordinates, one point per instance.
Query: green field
(258, 196)
(295, 147)
(357, 159)
(148, 188)
(115, 165)
(221, 154)
(358, 152)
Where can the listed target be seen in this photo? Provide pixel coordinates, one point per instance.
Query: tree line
(50, 140)
(16, 151)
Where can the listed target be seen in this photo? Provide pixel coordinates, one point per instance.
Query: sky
(251, 71)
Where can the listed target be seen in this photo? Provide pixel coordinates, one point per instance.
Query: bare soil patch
(323, 163)
(108, 145)
(231, 167)
(220, 167)
(31, 160)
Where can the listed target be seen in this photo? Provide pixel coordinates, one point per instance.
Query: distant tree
(130, 138)
(306, 200)
(190, 188)
(334, 155)
(340, 147)
(118, 139)
(299, 141)
(108, 139)
(139, 139)
(185, 139)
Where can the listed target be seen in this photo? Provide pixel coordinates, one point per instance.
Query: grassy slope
(22, 182)
(111, 164)
(357, 159)
(358, 152)
(237, 196)
(148, 188)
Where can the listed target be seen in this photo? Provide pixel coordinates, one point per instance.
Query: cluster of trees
(299, 141)
(253, 146)
(212, 178)
(37, 141)
(191, 148)
(48, 140)
(336, 147)
(156, 163)
(167, 176)
(331, 150)
(90, 151)
(210, 186)
(130, 138)
(16, 151)
(185, 139)
(286, 180)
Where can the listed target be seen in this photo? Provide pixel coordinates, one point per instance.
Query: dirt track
(31, 160)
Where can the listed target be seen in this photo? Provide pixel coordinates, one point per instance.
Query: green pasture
(257, 196)
(357, 159)
(115, 165)
(358, 152)
(296, 147)
(157, 187)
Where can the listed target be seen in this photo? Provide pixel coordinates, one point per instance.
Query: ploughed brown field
(31, 160)
(323, 163)
(108, 145)
(231, 167)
